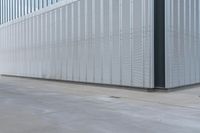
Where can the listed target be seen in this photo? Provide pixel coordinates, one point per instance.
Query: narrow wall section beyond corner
(182, 42)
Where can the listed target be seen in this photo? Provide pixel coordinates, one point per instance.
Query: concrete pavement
(37, 106)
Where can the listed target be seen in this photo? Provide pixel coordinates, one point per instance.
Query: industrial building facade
(136, 43)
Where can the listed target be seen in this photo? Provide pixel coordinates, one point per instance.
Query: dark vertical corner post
(159, 43)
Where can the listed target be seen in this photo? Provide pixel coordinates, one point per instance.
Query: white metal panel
(95, 41)
(182, 42)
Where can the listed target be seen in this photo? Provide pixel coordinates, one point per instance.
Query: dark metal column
(159, 24)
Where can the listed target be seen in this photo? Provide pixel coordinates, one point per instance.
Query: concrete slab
(36, 106)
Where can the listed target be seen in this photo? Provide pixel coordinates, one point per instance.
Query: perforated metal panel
(95, 41)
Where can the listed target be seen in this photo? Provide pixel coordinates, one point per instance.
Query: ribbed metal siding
(182, 42)
(96, 41)
(12, 9)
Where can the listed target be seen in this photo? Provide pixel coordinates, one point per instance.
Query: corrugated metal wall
(96, 41)
(13, 9)
(182, 42)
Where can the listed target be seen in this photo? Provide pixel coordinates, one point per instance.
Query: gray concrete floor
(34, 106)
